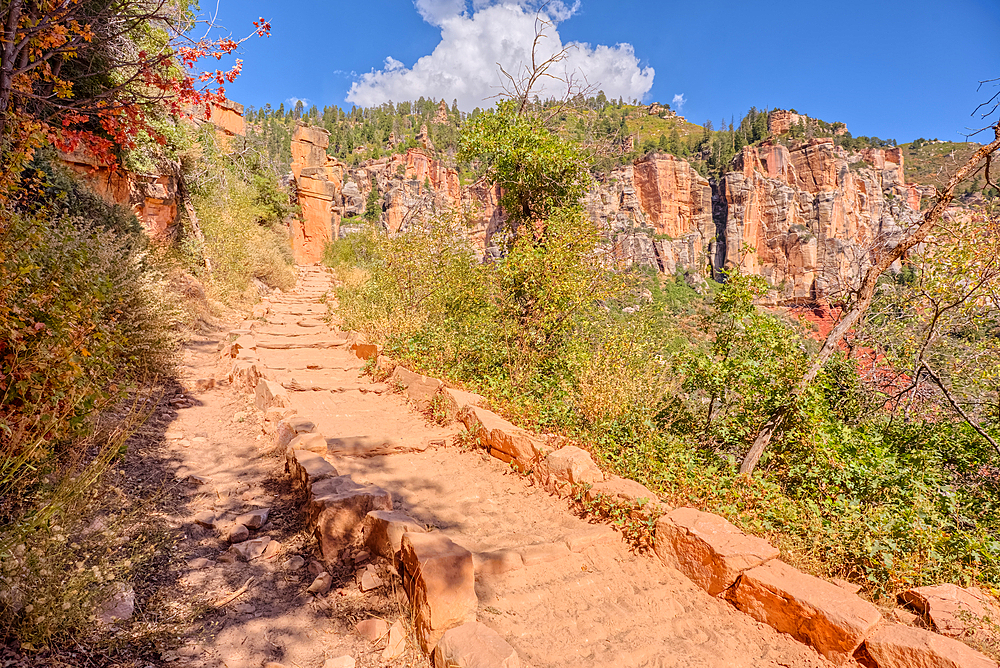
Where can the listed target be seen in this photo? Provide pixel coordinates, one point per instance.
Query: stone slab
(897, 646)
(338, 506)
(807, 608)
(439, 578)
(474, 645)
(383, 531)
(708, 549)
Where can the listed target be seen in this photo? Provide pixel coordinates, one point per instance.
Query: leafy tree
(99, 73)
(537, 171)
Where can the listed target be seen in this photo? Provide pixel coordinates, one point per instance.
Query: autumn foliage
(97, 74)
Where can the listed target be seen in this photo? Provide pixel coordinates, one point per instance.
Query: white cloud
(292, 101)
(463, 66)
(678, 102)
(436, 11)
(391, 64)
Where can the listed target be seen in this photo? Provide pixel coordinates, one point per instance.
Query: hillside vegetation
(869, 480)
(933, 162)
(91, 309)
(611, 133)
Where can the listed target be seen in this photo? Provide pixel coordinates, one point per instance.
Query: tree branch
(958, 409)
(864, 298)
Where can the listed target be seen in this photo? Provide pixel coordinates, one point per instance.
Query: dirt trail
(560, 590)
(574, 595)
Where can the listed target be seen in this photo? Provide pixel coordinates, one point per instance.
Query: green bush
(83, 316)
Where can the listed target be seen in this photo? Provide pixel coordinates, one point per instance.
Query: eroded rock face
(227, 117)
(781, 121)
(319, 182)
(151, 197)
(414, 186)
(811, 216)
(675, 199)
(807, 219)
(656, 213)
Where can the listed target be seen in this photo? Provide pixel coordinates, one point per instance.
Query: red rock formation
(675, 199)
(413, 184)
(662, 194)
(308, 147)
(419, 165)
(227, 117)
(781, 121)
(152, 198)
(441, 118)
(807, 219)
(319, 181)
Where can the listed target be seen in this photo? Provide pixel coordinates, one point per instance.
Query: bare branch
(972, 422)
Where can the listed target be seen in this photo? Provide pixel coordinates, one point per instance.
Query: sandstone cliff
(319, 183)
(807, 218)
(411, 186)
(657, 213)
(153, 198)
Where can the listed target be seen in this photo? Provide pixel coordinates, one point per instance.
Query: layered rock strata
(319, 183)
(808, 219)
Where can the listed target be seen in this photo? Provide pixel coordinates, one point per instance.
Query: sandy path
(561, 591)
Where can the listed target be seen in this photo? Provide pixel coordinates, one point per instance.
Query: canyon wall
(153, 198)
(657, 213)
(807, 219)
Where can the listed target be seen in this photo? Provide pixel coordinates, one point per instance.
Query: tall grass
(242, 217)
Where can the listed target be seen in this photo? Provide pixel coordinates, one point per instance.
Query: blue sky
(890, 68)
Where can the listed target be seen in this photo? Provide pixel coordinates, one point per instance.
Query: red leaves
(111, 120)
(263, 27)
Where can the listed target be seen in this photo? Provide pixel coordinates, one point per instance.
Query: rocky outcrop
(227, 117)
(319, 183)
(413, 186)
(810, 218)
(657, 213)
(151, 197)
(441, 117)
(781, 121)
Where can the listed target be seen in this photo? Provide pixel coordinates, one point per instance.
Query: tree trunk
(7, 57)
(182, 193)
(864, 300)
